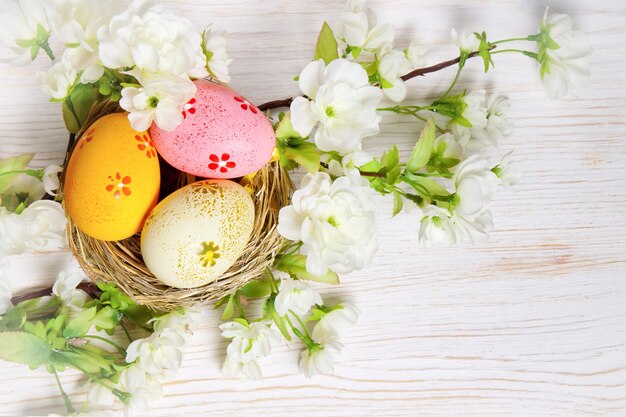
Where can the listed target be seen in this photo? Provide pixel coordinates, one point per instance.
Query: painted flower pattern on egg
(246, 105)
(119, 186)
(189, 108)
(88, 137)
(145, 144)
(223, 135)
(209, 253)
(222, 163)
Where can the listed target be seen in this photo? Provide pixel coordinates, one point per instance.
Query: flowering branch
(88, 288)
(276, 104)
(420, 72)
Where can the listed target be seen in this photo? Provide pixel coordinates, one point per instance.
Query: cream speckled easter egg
(112, 180)
(223, 135)
(195, 234)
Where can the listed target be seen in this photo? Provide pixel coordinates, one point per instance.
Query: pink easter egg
(223, 135)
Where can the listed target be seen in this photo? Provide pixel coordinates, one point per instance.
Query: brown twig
(420, 72)
(89, 288)
(276, 104)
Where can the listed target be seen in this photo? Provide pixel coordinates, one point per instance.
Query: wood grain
(530, 323)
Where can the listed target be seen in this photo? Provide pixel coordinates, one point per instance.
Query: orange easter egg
(112, 180)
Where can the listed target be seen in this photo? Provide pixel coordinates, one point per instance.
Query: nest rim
(121, 263)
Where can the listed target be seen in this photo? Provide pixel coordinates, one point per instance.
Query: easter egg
(112, 179)
(223, 135)
(195, 234)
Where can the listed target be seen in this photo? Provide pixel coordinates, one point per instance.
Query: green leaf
(484, 50)
(397, 203)
(293, 149)
(84, 360)
(38, 329)
(16, 163)
(391, 163)
(391, 158)
(13, 319)
(372, 166)
(256, 289)
(327, 48)
(80, 325)
(303, 153)
(370, 67)
(106, 319)
(316, 314)
(285, 130)
(241, 321)
(53, 327)
(418, 200)
(230, 307)
(26, 43)
(423, 149)
(384, 83)
(393, 176)
(295, 265)
(77, 106)
(432, 187)
(24, 348)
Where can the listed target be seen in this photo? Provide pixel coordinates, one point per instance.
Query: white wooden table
(530, 323)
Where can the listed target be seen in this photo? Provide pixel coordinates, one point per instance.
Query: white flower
(508, 176)
(216, 58)
(65, 289)
(358, 30)
(296, 296)
(334, 220)
(438, 229)
(334, 323)
(475, 185)
(391, 67)
(151, 40)
(321, 359)
(563, 55)
(144, 389)
(498, 125)
(180, 322)
(76, 23)
(250, 343)
(57, 81)
(341, 104)
(160, 99)
(475, 113)
(159, 354)
(476, 228)
(466, 42)
(21, 21)
(451, 148)
(415, 54)
(51, 178)
(350, 162)
(24, 189)
(235, 367)
(40, 226)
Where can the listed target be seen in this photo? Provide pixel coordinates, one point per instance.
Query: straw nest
(121, 262)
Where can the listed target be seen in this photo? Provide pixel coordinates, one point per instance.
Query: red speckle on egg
(227, 137)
